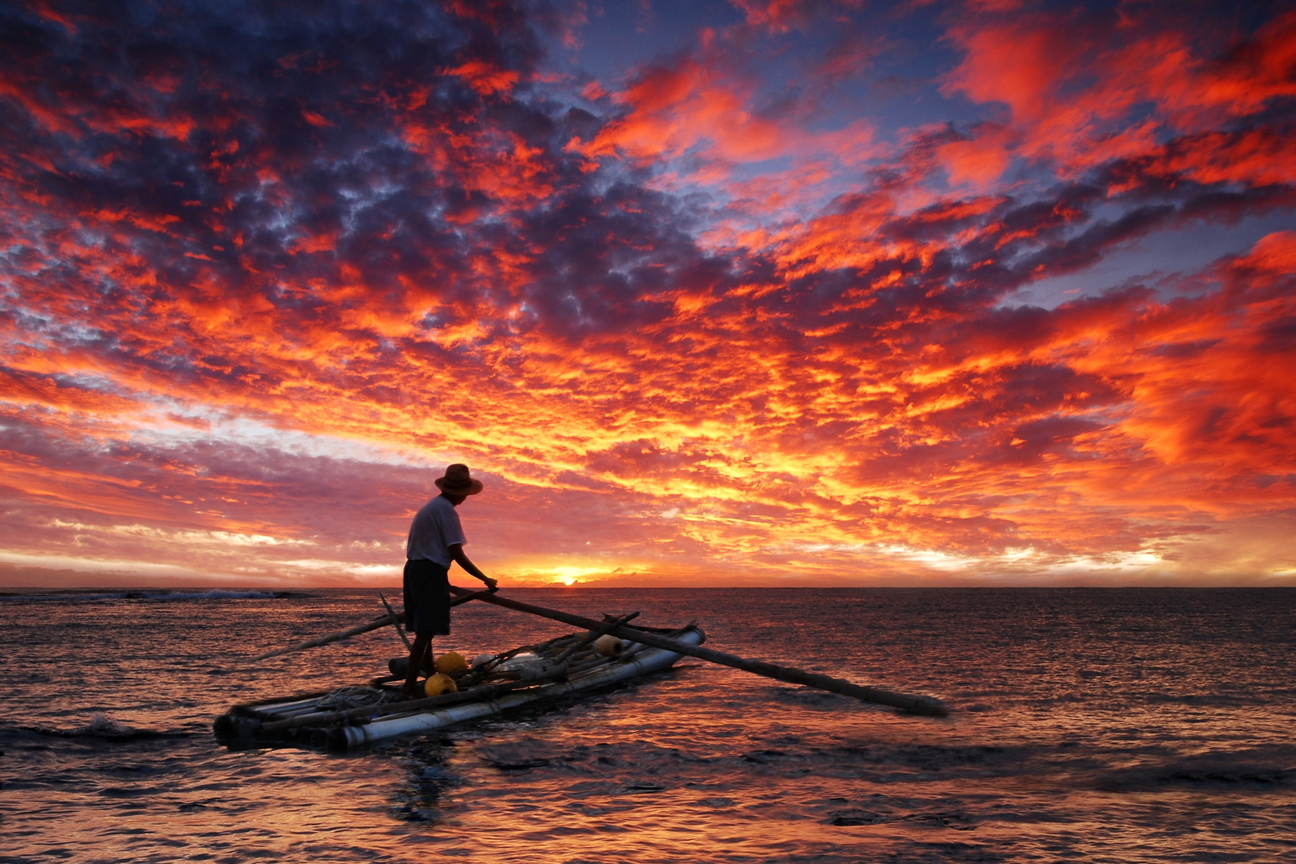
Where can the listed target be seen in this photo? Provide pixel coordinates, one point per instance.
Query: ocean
(1121, 725)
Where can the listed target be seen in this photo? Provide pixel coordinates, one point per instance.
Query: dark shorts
(427, 598)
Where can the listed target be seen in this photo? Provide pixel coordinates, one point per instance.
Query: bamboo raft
(356, 717)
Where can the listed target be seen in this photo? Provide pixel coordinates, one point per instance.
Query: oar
(903, 701)
(383, 621)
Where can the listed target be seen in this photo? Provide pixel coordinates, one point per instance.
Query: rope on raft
(354, 696)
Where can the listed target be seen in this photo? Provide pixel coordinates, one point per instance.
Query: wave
(105, 727)
(1271, 769)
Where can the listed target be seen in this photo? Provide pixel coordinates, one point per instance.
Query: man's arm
(457, 553)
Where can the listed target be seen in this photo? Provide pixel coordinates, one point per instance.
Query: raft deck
(356, 717)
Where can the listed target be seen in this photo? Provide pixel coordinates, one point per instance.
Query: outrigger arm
(924, 705)
(389, 620)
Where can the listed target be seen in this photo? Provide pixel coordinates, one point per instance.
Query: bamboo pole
(391, 613)
(924, 705)
(375, 624)
(464, 595)
(589, 637)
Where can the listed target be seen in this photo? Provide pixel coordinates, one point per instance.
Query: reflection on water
(1135, 725)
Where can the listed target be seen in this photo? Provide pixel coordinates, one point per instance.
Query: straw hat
(457, 482)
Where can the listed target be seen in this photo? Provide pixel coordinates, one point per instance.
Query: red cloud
(485, 78)
(782, 15)
(671, 110)
(1075, 82)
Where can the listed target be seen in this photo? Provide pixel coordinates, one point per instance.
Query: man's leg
(418, 652)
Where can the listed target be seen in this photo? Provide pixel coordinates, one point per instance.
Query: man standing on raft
(435, 539)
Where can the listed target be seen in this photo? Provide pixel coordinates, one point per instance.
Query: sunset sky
(707, 293)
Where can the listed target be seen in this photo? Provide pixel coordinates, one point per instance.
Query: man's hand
(457, 553)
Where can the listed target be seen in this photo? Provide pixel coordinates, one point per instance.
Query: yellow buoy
(439, 685)
(451, 662)
(608, 645)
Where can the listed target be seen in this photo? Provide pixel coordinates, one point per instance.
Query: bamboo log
(925, 705)
(327, 718)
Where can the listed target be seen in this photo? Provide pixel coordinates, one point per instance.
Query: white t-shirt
(434, 530)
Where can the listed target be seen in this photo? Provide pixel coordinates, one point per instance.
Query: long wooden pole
(924, 705)
(383, 621)
(464, 595)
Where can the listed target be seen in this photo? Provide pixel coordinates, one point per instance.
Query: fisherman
(435, 540)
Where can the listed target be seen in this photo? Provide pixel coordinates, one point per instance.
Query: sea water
(1087, 725)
